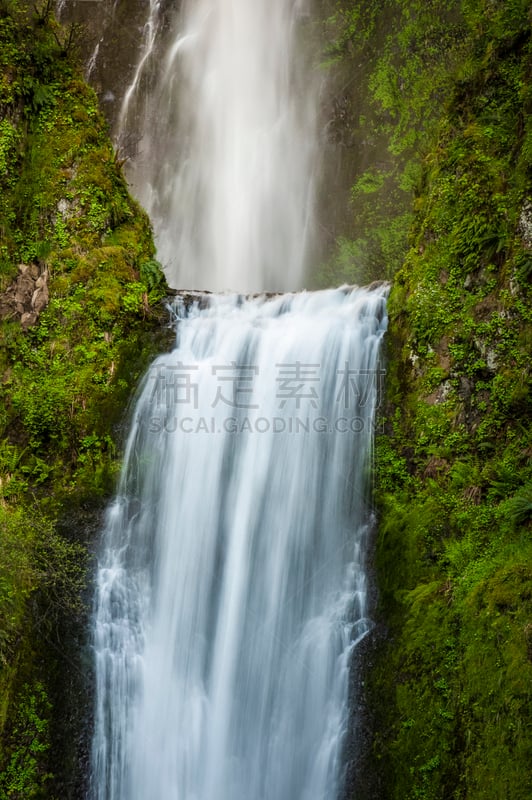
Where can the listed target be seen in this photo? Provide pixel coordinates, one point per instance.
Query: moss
(65, 379)
(23, 775)
(390, 68)
(451, 683)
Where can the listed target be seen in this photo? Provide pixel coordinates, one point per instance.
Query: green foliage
(22, 777)
(65, 380)
(152, 276)
(36, 559)
(519, 507)
(16, 578)
(452, 683)
(403, 55)
(8, 142)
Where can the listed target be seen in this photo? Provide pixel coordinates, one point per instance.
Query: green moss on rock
(452, 680)
(81, 314)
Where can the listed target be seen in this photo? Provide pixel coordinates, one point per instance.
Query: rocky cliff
(80, 314)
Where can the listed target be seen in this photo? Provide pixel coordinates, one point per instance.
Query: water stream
(231, 583)
(226, 159)
(232, 590)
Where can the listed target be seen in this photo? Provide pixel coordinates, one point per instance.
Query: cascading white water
(231, 589)
(227, 143)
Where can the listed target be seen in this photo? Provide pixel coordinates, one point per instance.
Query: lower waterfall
(231, 585)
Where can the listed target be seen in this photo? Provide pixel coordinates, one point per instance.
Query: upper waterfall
(227, 152)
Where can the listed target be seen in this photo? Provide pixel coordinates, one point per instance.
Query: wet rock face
(110, 39)
(26, 297)
(109, 46)
(525, 224)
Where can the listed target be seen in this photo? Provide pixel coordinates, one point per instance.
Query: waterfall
(231, 583)
(224, 104)
(231, 588)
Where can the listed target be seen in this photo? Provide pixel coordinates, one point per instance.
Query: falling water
(231, 590)
(91, 63)
(225, 107)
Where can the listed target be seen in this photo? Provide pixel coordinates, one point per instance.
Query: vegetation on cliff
(439, 94)
(389, 68)
(451, 681)
(79, 293)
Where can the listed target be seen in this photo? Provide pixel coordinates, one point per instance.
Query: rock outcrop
(27, 296)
